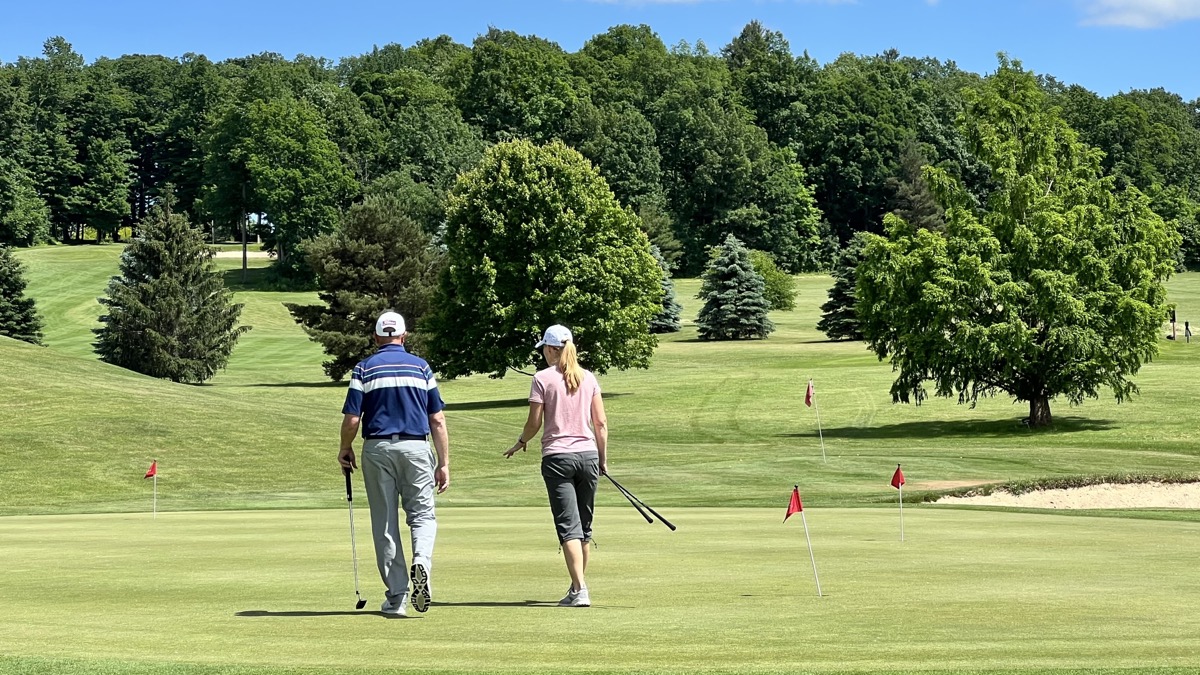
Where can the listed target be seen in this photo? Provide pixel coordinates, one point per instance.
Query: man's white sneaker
(419, 576)
(394, 609)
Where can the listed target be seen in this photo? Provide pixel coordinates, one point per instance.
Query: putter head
(360, 604)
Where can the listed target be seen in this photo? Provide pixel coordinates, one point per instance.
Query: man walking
(394, 397)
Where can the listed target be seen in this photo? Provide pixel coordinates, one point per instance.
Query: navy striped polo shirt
(393, 392)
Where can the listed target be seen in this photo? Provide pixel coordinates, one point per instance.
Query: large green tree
(535, 237)
(18, 314)
(1053, 288)
(378, 259)
(168, 313)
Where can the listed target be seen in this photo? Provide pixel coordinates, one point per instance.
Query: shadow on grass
(305, 385)
(515, 603)
(263, 612)
(964, 428)
(503, 403)
(256, 279)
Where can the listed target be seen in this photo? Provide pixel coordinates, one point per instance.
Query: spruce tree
(839, 318)
(669, 319)
(18, 316)
(378, 259)
(169, 313)
(734, 304)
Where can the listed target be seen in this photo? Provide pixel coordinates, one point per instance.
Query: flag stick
(810, 553)
(901, 488)
(155, 513)
(817, 408)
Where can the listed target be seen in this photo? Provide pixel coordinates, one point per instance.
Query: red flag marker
(153, 470)
(898, 478)
(898, 483)
(808, 395)
(153, 473)
(794, 506)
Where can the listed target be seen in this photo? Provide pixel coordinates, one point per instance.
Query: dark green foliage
(535, 237)
(168, 313)
(669, 318)
(18, 315)
(1053, 288)
(378, 259)
(735, 307)
(779, 287)
(839, 316)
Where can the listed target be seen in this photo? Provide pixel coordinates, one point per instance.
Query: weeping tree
(18, 315)
(379, 258)
(735, 305)
(669, 318)
(168, 313)
(1053, 288)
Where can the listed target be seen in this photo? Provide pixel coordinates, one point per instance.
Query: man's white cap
(556, 336)
(390, 324)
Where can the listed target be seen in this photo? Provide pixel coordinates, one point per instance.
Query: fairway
(731, 590)
(247, 567)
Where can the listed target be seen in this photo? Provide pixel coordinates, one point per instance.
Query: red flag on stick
(153, 470)
(794, 506)
(808, 395)
(898, 478)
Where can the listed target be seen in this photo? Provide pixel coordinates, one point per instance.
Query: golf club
(353, 549)
(636, 502)
(631, 500)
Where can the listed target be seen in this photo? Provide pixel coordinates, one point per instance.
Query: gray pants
(571, 485)
(399, 474)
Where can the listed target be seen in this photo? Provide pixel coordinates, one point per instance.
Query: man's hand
(441, 477)
(346, 458)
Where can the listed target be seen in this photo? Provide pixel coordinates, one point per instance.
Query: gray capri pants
(571, 479)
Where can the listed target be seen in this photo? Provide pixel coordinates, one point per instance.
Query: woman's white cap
(556, 336)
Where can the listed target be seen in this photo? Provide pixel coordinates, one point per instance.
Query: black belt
(396, 437)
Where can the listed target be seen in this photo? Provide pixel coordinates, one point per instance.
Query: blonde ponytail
(568, 364)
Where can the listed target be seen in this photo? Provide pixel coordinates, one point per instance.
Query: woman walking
(574, 449)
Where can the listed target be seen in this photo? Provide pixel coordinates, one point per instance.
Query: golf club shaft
(633, 498)
(353, 547)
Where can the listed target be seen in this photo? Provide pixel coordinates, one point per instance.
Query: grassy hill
(709, 424)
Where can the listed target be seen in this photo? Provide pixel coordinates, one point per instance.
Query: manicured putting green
(732, 590)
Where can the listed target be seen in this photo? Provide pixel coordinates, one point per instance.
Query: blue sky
(1104, 45)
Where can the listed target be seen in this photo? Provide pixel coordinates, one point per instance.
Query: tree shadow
(256, 279)
(507, 403)
(961, 428)
(305, 385)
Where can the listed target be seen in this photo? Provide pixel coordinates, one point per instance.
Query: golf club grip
(630, 498)
(633, 498)
(349, 493)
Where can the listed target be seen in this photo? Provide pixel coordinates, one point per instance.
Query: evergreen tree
(839, 318)
(669, 319)
(18, 317)
(169, 313)
(733, 293)
(378, 259)
(779, 287)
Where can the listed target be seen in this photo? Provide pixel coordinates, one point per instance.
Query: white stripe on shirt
(391, 382)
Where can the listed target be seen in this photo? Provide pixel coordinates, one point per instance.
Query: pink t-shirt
(567, 416)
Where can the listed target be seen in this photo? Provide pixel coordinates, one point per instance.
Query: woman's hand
(513, 450)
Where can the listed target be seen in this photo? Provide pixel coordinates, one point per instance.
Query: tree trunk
(1039, 411)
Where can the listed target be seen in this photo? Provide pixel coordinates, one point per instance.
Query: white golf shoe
(396, 609)
(421, 595)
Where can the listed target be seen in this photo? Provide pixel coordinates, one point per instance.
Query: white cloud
(1139, 13)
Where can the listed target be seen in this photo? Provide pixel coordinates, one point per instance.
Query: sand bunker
(1103, 496)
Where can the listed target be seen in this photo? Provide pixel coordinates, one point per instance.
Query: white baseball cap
(555, 336)
(390, 324)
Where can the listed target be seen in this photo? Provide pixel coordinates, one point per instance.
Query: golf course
(246, 566)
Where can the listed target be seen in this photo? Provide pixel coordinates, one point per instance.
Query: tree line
(790, 156)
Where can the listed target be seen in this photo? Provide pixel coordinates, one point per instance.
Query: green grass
(708, 424)
(731, 590)
(245, 569)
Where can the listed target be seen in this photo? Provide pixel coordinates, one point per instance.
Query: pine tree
(378, 259)
(669, 319)
(839, 318)
(169, 313)
(734, 304)
(18, 316)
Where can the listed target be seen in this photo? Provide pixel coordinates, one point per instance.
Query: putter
(631, 501)
(353, 549)
(635, 501)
